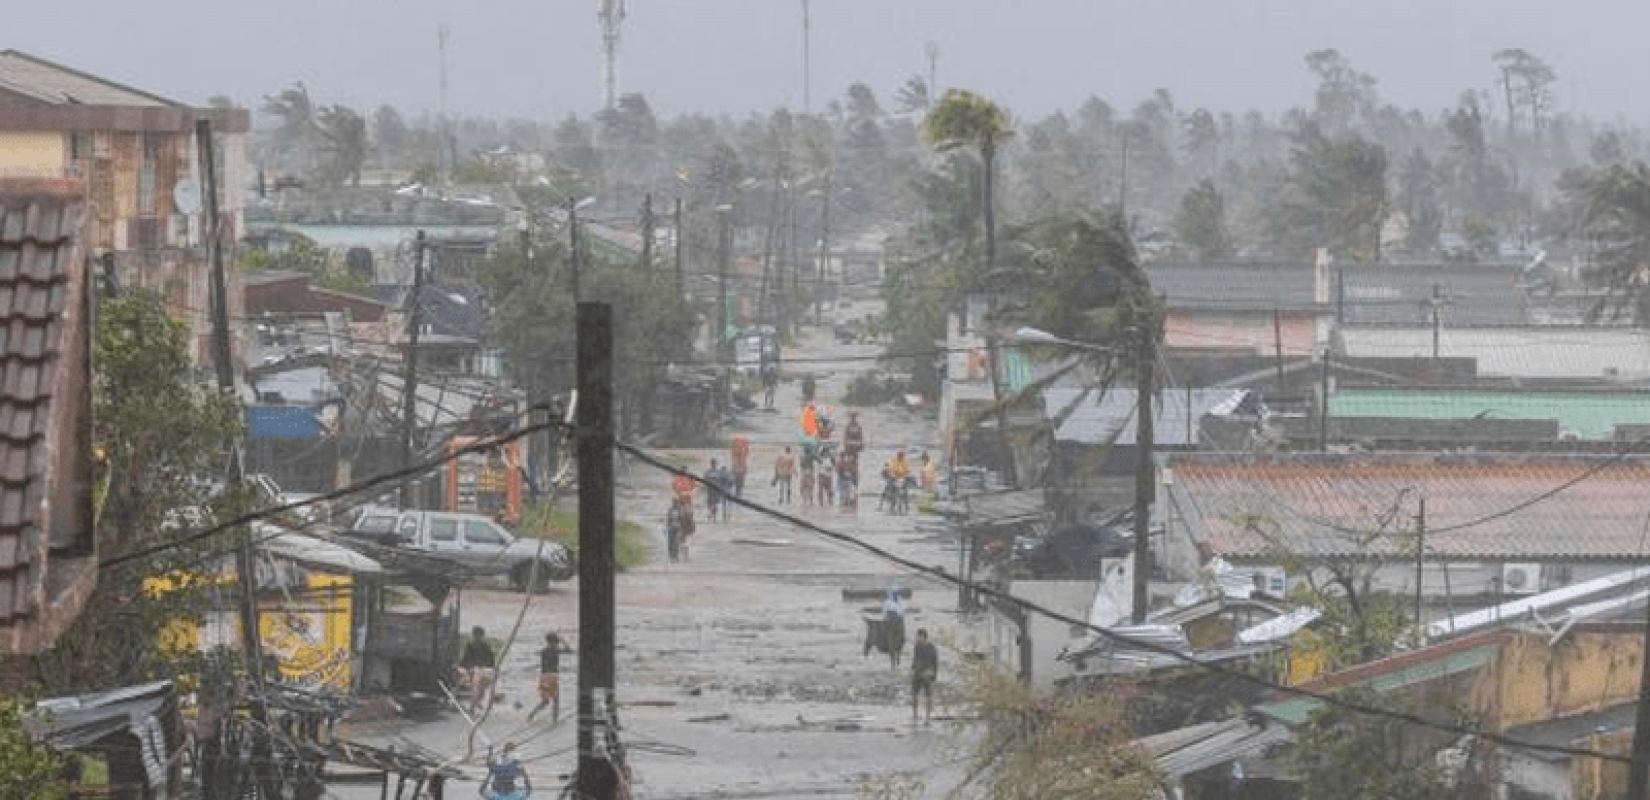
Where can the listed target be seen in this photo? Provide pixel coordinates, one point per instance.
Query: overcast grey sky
(540, 58)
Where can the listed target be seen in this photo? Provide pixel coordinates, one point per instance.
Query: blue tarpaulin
(283, 422)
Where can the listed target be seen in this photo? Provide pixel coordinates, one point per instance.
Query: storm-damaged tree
(1527, 82)
(1334, 195)
(1201, 222)
(1344, 754)
(1613, 215)
(1034, 742)
(964, 119)
(1337, 568)
(295, 130)
(158, 459)
(345, 133)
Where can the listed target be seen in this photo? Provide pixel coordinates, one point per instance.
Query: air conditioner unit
(1271, 581)
(1520, 578)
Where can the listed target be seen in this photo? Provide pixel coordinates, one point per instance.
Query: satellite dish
(186, 196)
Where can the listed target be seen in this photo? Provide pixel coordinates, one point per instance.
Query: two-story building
(136, 155)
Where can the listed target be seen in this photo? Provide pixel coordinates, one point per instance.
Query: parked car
(470, 540)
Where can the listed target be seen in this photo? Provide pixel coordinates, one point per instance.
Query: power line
(354, 488)
(1151, 647)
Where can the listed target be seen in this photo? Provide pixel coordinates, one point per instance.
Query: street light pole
(573, 245)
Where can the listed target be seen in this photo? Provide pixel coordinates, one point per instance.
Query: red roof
(1476, 506)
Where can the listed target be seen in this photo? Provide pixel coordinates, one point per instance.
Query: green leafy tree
(1615, 219)
(28, 771)
(295, 130)
(159, 456)
(1527, 83)
(1347, 755)
(1344, 95)
(1201, 222)
(1418, 197)
(913, 96)
(1334, 195)
(1033, 743)
(965, 119)
(389, 135)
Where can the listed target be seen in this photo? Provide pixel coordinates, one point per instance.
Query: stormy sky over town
(540, 58)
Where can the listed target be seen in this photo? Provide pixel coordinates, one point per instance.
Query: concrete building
(137, 156)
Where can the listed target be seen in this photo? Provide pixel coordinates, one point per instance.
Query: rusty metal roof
(1491, 507)
(39, 233)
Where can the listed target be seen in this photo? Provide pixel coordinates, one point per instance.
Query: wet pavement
(740, 671)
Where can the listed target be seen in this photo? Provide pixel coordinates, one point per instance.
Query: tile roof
(1514, 508)
(1587, 414)
(1523, 352)
(39, 251)
(60, 85)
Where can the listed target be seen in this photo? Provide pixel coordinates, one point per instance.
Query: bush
(561, 525)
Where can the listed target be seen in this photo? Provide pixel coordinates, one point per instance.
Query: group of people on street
(478, 670)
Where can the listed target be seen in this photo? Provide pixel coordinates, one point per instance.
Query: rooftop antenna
(932, 50)
(611, 14)
(807, 63)
(443, 156)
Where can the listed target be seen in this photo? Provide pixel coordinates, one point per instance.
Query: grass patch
(561, 525)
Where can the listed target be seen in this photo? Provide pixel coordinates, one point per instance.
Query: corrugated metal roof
(1197, 747)
(1467, 296)
(1236, 286)
(1590, 415)
(60, 85)
(1100, 417)
(1519, 508)
(38, 250)
(1550, 352)
(1296, 710)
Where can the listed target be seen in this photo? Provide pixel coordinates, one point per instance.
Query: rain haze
(540, 60)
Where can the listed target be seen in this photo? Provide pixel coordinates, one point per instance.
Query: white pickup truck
(470, 540)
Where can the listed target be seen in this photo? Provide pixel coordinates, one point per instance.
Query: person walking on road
(721, 482)
(684, 487)
(853, 437)
(925, 667)
(784, 470)
(826, 497)
(679, 529)
(741, 451)
(550, 676)
(847, 479)
(476, 666)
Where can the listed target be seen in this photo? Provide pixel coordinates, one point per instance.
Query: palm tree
(965, 119)
(346, 135)
(297, 117)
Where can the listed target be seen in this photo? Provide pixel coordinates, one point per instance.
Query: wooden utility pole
(1277, 346)
(1638, 787)
(1323, 404)
(681, 288)
(824, 252)
(573, 254)
(223, 362)
(409, 372)
(724, 236)
(1420, 559)
(1144, 484)
(647, 231)
(594, 436)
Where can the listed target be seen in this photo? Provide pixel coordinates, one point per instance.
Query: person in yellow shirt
(930, 476)
(899, 469)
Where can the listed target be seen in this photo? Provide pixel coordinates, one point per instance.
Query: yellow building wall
(1532, 681)
(33, 152)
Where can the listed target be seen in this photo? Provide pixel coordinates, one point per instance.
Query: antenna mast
(807, 63)
(611, 14)
(443, 158)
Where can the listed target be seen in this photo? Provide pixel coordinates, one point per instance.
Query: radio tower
(611, 13)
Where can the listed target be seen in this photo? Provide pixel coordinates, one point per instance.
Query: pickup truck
(472, 541)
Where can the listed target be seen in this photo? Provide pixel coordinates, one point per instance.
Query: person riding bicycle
(895, 476)
(506, 779)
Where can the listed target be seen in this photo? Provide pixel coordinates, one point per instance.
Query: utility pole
(932, 50)
(824, 252)
(594, 436)
(1144, 483)
(681, 288)
(1323, 405)
(443, 158)
(573, 255)
(1420, 558)
(223, 362)
(647, 231)
(1277, 346)
(724, 236)
(409, 376)
(807, 62)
